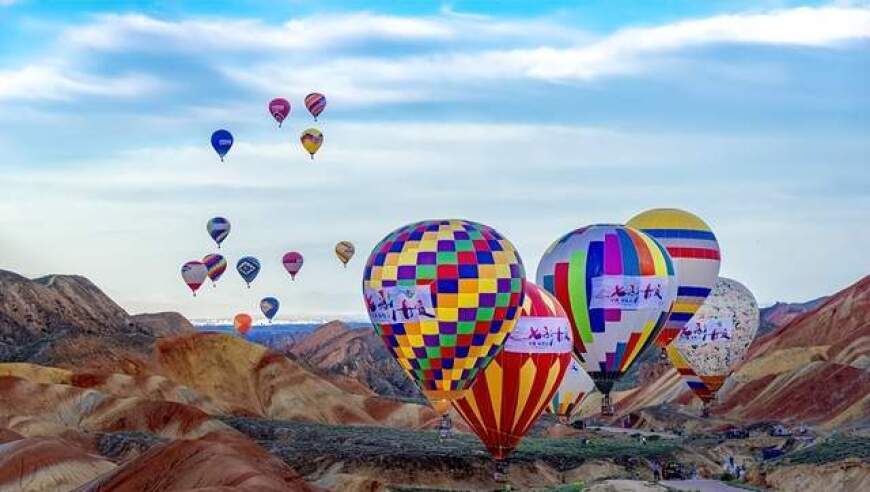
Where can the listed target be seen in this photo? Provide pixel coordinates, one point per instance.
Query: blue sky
(533, 119)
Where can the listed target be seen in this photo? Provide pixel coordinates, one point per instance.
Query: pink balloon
(279, 108)
(292, 263)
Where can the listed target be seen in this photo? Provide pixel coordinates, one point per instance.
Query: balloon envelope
(218, 228)
(316, 103)
(194, 273)
(269, 306)
(575, 387)
(242, 323)
(716, 338)
(292, 263)
(443, 295)
(344, 250)
(248, 267)
(311, 140)
(221, 141)
(510, 394)
(617, 285)
(279, 108)
(695, 253)
(216, 265)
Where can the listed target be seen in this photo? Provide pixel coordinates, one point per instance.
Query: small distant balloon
(218, 228)
(311, 140)
(216, 265)
(222, 141)
(344, 250)
(242, 322)
(269, 306)
(279, 108)
(292, 263)
(194, 273)
(248, 267)
(316, 103)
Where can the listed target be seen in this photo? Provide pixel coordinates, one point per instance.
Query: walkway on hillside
(701, 485)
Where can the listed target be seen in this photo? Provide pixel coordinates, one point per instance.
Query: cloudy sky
(534, 120)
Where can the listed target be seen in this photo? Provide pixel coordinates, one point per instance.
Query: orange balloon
(242, 322)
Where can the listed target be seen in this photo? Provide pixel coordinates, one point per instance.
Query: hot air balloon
(716, 339)
(311, 140)
(216, 265)
(575, 387)
(695, 253)
(269, 306)
(248, 267)
(193, 273)
(512, 391)
(279, 108)
(292, 263)
(344, 250)
(443, 295)
(218, 228)
(618, 287)
(222, 141)
(242, 322)
(316, 103)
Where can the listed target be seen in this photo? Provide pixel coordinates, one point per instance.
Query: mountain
(250, 379)
(356, 353)
(781, 313)
(219, 461)
(813, 370)
(65, 319)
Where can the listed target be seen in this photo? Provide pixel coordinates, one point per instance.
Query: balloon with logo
(218, 228)
(311, 140)
(269, 306)
(344, 250)
(512, 391)
(248, 267)
(575, 387)
(618, 286)
(716, 339)
(443, 295)
(221, 141)
(279, 108)
(695, 253)
(316, 103)
(194, 273)
(216, 265)
(292, 262)
(242, 323)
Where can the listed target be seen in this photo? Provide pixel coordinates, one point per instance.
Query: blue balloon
(269, 306)
(248, 267)
(222, 141)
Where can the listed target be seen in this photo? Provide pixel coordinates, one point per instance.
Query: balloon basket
(607, 406)
(445, 428)
(501, 472)
(663, 355)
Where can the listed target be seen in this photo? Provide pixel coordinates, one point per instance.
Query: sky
(532, 117)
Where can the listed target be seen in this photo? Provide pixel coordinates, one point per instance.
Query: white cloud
(316, 33)
(370, 80)
(49, 81)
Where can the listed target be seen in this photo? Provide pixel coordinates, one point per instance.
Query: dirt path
(701, 485)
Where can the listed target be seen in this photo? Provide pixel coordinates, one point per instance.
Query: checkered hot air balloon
(695, 253)
(510, 394)
(617, 285)
(443, 295)
(716, 338)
